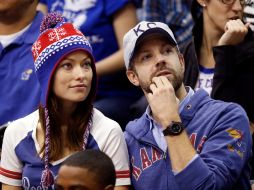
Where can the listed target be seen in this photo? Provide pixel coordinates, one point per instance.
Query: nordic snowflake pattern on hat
(55, 40)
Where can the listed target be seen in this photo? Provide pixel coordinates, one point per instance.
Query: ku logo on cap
(142, 27)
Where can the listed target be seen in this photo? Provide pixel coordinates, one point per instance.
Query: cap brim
(153, 32)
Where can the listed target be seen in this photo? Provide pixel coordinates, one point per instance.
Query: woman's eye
(66, 65)
(87, 64)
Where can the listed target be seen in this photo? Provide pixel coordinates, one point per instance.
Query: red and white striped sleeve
(11, 167)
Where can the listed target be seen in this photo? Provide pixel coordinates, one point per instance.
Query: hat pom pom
(47, 178)
(50, 21)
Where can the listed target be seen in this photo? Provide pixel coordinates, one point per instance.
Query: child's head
(88, 170)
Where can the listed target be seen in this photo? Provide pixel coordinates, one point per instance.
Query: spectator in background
(104, 22)
(35, 146)
(89, 169)
(221, 46)
(19, 28)
(220, 57)
(185, 140)
(175, 13)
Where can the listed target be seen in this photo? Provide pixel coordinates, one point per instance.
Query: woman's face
(217, 13)
(73, 77)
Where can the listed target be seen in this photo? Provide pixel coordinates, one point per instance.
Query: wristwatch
(174, 129)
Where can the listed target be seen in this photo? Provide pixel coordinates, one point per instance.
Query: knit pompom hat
(57, 39)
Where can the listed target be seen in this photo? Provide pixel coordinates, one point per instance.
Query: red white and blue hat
(57, 39)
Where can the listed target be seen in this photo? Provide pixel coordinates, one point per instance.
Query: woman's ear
(202, 3)
(132, 76)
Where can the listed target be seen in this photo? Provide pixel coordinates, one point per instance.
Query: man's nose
(160, 60)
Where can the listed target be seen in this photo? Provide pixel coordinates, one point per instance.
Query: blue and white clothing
(21, 165)
(205, 79)
(20, 91)
(175, 13)
(219, 133)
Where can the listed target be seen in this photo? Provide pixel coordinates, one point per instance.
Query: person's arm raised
(164, 106)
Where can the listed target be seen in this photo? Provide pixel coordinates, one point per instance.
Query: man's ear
(133, 78)
(109, 187)
(181, 59)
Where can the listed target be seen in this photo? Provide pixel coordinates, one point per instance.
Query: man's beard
(176, 80)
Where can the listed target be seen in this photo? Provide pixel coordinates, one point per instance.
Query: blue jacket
(19, 88)
(220, 134)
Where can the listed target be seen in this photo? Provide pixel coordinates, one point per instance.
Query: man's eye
(168, 50)
(145, 57)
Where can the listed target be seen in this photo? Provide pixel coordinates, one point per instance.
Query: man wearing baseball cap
(185, 140)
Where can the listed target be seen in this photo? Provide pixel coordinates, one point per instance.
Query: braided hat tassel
(47, 178)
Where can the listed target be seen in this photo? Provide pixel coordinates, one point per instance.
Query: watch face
(175, 128)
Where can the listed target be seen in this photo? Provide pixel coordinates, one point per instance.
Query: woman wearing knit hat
(104, 23)
(35, 146)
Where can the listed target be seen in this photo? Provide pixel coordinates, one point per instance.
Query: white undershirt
(6, 40)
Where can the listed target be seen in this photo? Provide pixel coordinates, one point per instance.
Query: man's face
(76, 178)
(156, 57)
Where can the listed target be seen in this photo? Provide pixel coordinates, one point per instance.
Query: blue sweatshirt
(221, 136)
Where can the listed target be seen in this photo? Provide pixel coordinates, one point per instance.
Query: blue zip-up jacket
(220, 134)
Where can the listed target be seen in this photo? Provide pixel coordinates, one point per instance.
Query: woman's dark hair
(196, 10)
(76, 124)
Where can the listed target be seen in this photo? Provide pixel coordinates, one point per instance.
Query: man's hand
(235, 31)
(163, 101)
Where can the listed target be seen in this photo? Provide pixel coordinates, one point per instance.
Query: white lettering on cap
(143, 27)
